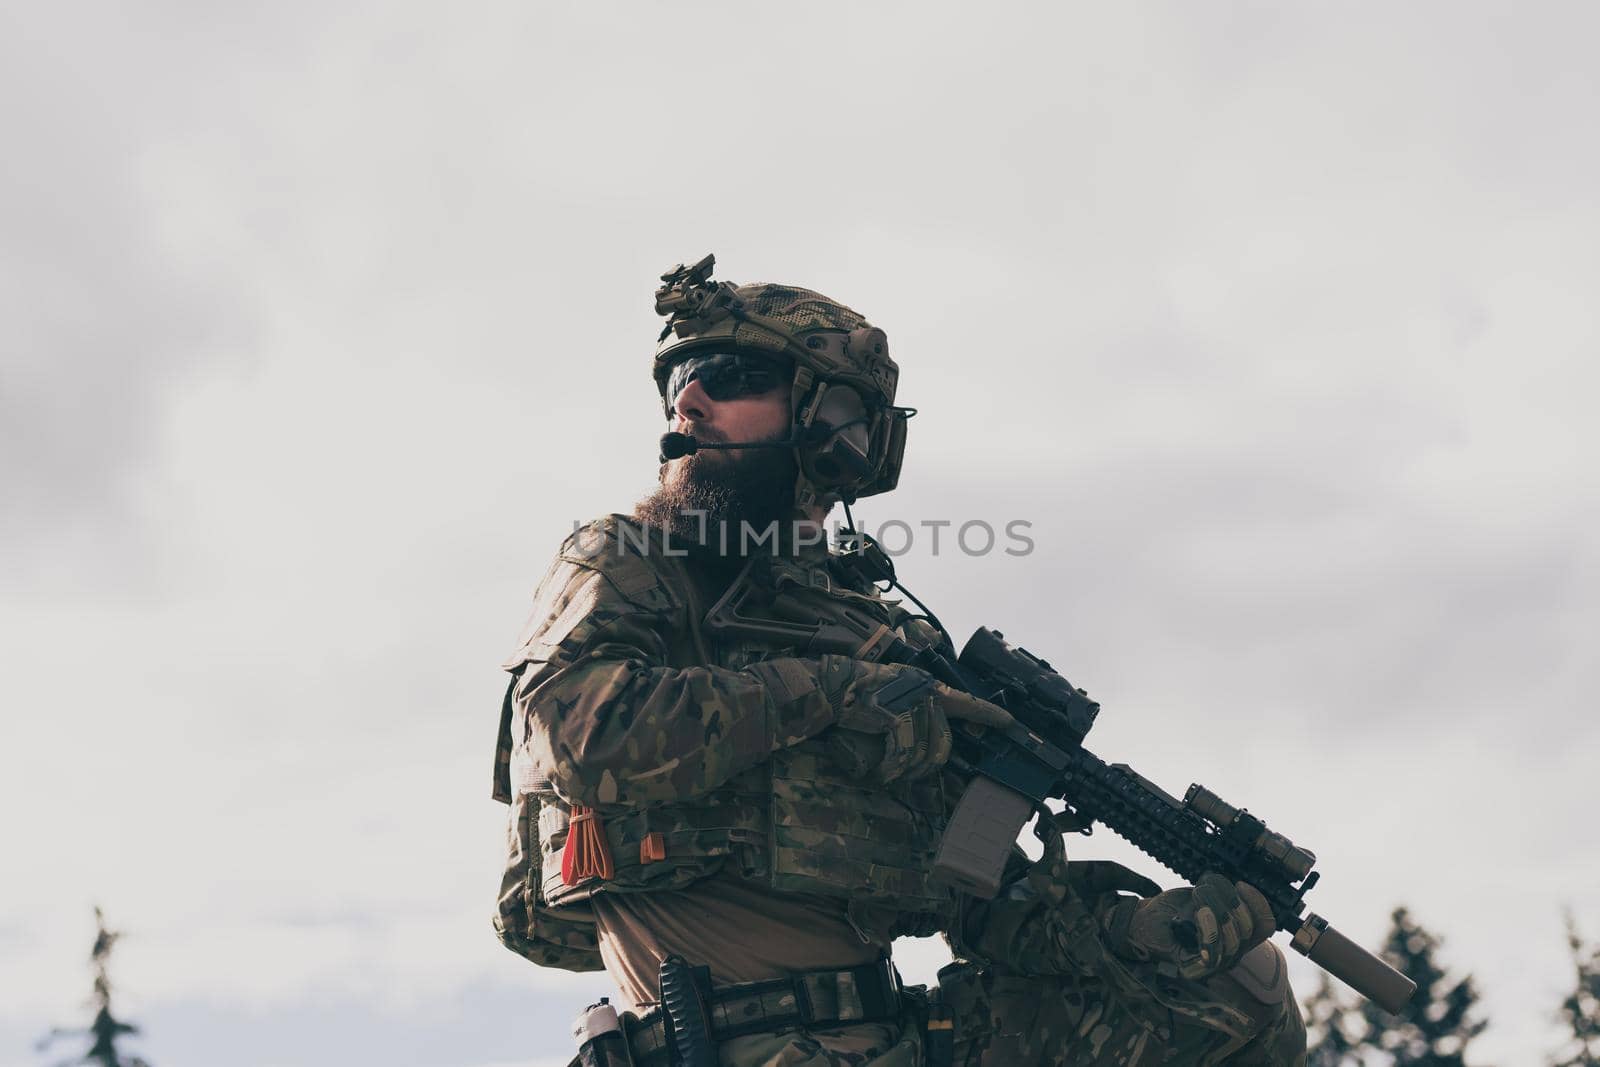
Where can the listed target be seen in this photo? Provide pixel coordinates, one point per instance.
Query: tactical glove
(893, 721)
(1046, 920)
(1197, 930)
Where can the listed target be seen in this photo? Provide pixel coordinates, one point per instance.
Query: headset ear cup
(841, 456)
(894, 449)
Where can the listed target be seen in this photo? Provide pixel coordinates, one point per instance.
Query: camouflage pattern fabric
(612, 719)
(1007, 1020)
(701, 755)
(770, 317)
(824, 341)
(859, 1045)
(872, 1045)
(725, 752)
(550, 938)
(1045, 991)
(1193, 931)
(617, 712)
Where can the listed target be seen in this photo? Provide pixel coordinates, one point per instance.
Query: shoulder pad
(631, 557)
(1263, 973)
(606, 569)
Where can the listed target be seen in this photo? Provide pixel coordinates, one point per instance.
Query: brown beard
(708, 495)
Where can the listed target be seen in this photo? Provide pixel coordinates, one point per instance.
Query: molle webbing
(798, 823)
(865, 994)
(694, 840)
(838, 836)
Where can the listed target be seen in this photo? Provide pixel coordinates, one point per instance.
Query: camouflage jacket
(702, 751)
(698, 751)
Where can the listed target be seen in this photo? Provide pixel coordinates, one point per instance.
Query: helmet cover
(842, 399)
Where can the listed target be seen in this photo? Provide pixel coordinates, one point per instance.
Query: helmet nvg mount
(842, 401)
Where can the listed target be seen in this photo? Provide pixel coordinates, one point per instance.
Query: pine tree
(1435, 1028)
(1432, 1030)
(106, 1029)
(1333, 1027)
(1581, 1009)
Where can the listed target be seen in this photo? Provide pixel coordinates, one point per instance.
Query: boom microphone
(676, 445)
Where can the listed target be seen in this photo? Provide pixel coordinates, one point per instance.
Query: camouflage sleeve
(606, 718)
(564, 938)
(1048, 920)
(1040, 950)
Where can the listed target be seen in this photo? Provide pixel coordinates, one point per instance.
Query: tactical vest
(797, 822)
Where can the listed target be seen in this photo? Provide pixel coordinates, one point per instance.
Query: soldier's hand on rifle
(1045, 920)
(1198, 930)
(894, 721)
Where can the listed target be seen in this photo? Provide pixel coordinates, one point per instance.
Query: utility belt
(694, 1016)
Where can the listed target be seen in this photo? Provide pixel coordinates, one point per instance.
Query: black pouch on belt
(938, 1034)
(683, 1003)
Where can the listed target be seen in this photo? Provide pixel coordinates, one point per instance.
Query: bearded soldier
(736, 825)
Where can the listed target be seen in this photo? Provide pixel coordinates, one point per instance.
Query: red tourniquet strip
(586, 854)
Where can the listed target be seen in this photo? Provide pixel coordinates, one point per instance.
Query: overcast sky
(1276, 321)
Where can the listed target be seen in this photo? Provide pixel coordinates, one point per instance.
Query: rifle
(1012, 773)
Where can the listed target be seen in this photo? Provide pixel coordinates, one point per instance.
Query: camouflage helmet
(842, 400)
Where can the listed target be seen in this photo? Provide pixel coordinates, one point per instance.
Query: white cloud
(1278, 326)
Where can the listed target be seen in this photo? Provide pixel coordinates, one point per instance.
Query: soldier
(735, 827)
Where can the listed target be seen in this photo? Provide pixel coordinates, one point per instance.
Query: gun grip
(977, 841)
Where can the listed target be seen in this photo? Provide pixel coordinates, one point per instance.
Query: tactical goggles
(728, 375)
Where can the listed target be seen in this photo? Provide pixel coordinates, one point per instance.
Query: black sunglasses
(728, 375)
